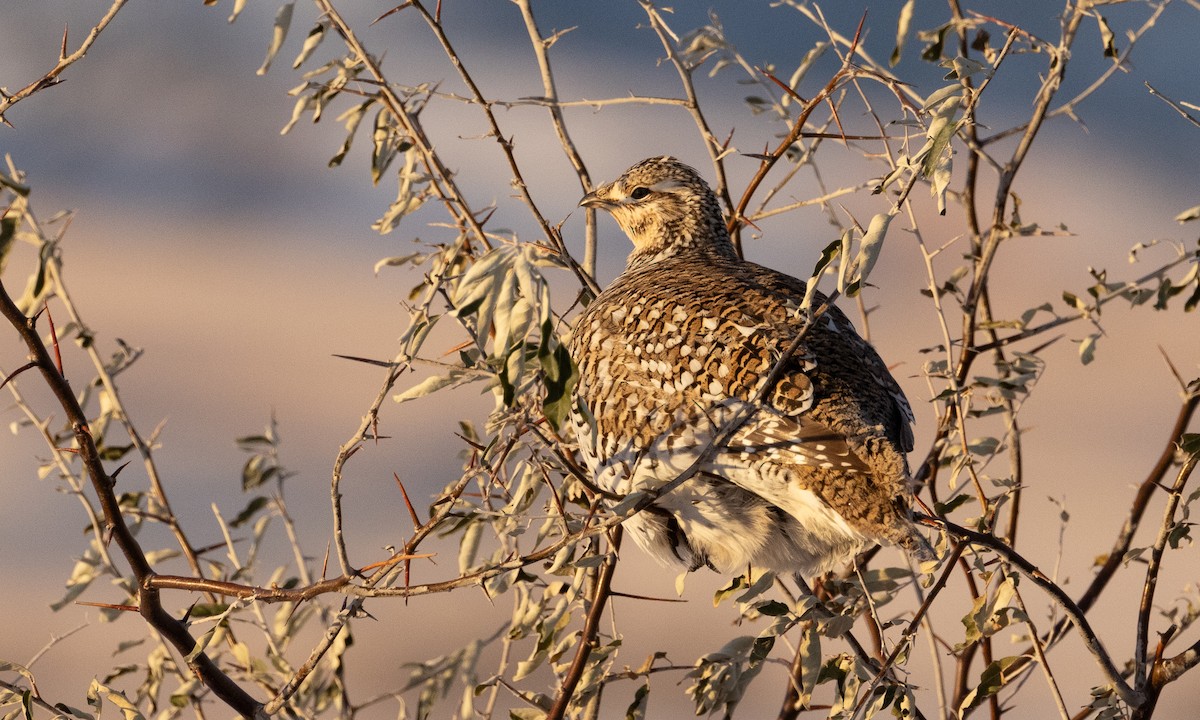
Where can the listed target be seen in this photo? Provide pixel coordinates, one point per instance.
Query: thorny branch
(149, 603)
(65, 61)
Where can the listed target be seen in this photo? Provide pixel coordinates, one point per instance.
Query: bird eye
(639, 193)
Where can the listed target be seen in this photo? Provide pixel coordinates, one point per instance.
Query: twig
(51, 78)
(505, 143)
(911, 630)
(587, 637)
(1128, 694)
(447, 188)
(54, 640)
(1141, 648)
(149, 603)
(714, 147)
(807, 107)
(541, 48)
(1040, 652)
(1174, 105)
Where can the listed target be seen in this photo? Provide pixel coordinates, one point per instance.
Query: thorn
(411, 512)
(471, 442)
(109, 606)
(1183, 386)
(858, 33)
(369, 361)
(113, 477)
(62, 54)
(396, 9)
(461, 346)
(784, 86)
(188, 613)
(18, 371)
(54, 340)
(1043, 346)
(402, 557)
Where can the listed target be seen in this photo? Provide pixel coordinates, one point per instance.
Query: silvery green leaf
(1087, 348)
(407, 201)
(314, 38)
(831, 251)
(434, 383)
(468, 546)
(383, 144)
(637, 708)
(991, 680)
(940, 180)
(351, 119)
(962, 67)
(1189, 214)
(283, 20)
(902, 25)
(8, 231)
(397, 260)
(941, 128)
(802, 69)
(628, 503)
(1107, 38)
(302, 103)
(97, 693)
(238, 7)
(869, 248)
(764, 583)
(810, 661)
(418, 329)
(948, 94)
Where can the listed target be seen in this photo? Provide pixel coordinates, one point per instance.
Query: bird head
(664, 206)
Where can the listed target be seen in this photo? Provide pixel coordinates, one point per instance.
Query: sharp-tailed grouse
(680, 344)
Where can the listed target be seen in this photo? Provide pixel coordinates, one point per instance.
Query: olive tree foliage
(531, 528)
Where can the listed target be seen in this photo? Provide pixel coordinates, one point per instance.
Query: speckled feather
(680, 343)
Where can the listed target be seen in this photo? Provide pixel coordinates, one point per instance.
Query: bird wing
(794, 440)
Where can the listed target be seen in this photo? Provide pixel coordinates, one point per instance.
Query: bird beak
(592, 200)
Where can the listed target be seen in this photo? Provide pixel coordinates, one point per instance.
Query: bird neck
(671, 242)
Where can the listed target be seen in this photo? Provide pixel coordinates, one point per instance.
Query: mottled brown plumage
(680, 343)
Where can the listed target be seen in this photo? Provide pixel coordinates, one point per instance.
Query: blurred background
(241, 264)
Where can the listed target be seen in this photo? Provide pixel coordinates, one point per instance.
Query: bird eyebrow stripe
(663, 185)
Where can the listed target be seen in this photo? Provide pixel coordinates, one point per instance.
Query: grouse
(681, 344)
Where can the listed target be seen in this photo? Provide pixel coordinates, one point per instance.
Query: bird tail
(907, 535)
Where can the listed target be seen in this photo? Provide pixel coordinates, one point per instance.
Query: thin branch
(715, 148)
(1174, 105)
(910, 631)
(447, 188)
(51, 78)
(149, 604)
(1040, 653)
(587, 638)
(1141, 648)
(541, 48)
(1128, 694)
